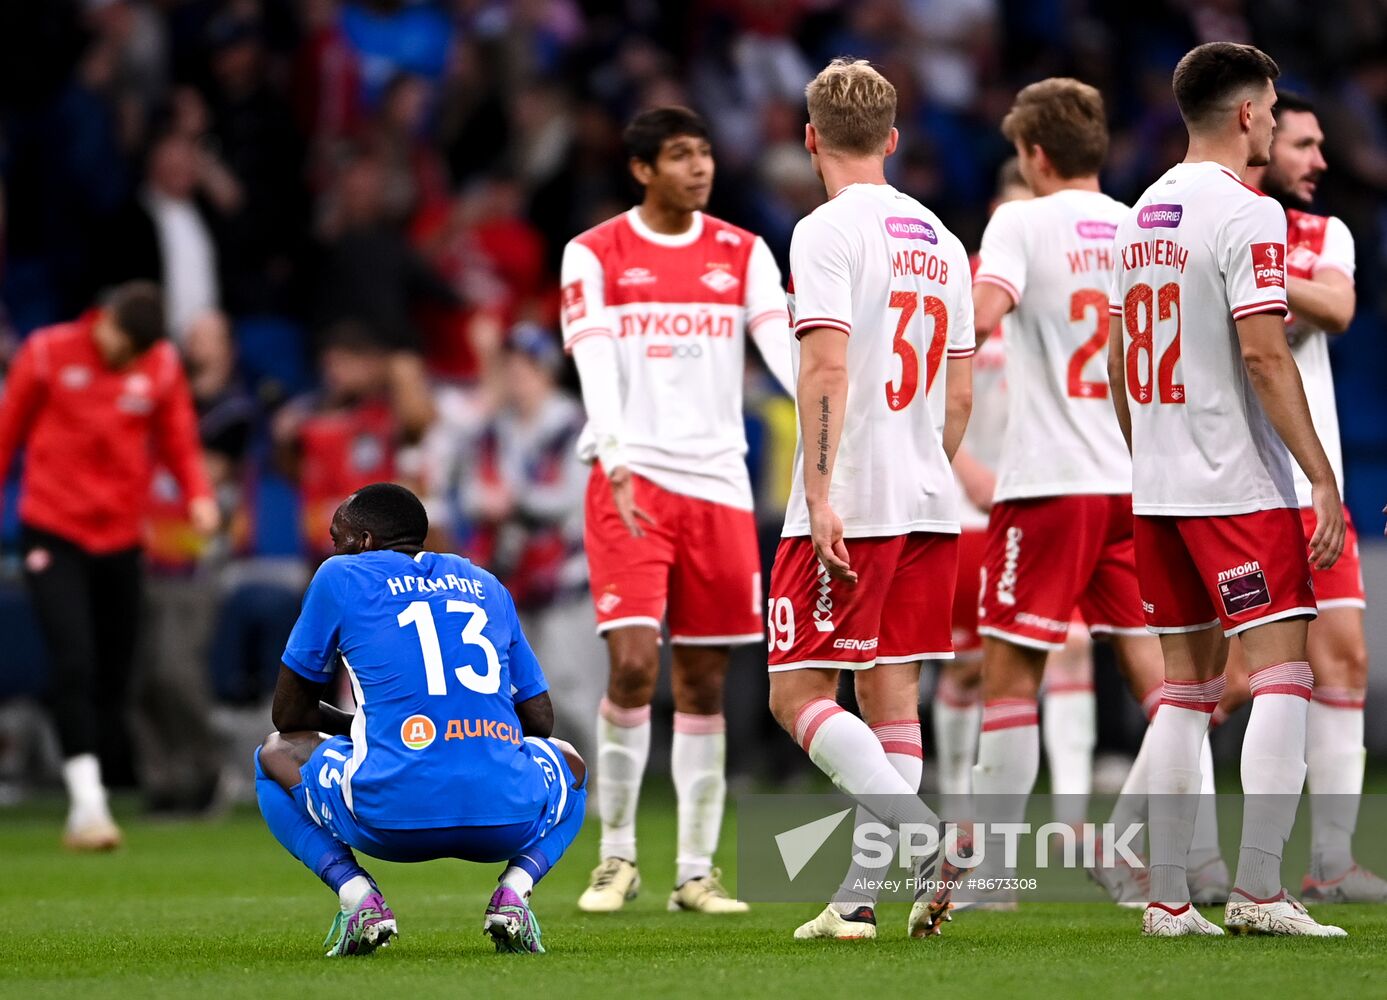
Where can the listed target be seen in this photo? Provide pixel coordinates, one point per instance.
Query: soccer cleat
(1282, 915)
(1126, 886)
(511, 923)
(859, 925)
(91, 834)
(1357, 885)
(1159, 920)
(928, 915)
(361, 930)
(705, 895)
(613, 883)
(1209, 883)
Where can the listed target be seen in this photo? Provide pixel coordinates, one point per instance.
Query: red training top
(93, 435)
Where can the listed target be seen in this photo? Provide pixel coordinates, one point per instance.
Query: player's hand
(1328, 540)
(624, 496)
(826, 532)
(205, 515)
(979, 485)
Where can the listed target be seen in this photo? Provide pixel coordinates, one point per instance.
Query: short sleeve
(1002, 256)
(1337, 252)
(1253, 256)
(526, 675)
(583, 305)
(821, 276)
(765, 298)
(312, 646)
(962, 337)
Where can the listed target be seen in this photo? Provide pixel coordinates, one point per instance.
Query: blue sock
(285, 814)
(538, 857)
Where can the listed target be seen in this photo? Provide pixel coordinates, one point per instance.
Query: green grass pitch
(218, 910)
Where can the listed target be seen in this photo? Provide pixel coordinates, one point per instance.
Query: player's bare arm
(536, 715)
(1326, 301)
(298, 707)
(823, 397)
(990, 303)
(1117, 379)
(958, 402)
(978, 481)
(1276, 380)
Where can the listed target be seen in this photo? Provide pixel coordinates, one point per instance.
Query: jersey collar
(687, 238)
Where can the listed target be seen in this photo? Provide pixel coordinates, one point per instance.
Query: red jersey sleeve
(20, 400)
(176, 437)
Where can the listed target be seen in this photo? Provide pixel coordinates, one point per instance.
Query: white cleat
(1357, 885)
(1209, 883)
(1159, 920)
(613, 883)
(91, 833)
(860, 925)
(1282, 915)
(705, 895)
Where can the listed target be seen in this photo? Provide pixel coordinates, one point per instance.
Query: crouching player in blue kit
(448, 754)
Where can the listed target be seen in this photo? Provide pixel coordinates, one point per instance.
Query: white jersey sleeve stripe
(766, 316)
(1000, 282)
(1253, 308)
(817, 321)
(596, 331)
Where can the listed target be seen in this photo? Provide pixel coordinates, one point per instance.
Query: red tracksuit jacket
(92, 435)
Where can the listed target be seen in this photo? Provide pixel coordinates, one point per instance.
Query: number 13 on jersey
(899, 394)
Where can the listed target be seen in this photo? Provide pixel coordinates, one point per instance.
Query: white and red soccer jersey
(1197, 252)
(988, 422)
(881, 268)
(1053, 256)
(1317, 243)
(679, 309)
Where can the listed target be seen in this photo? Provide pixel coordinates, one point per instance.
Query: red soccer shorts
(1340, 586)
(900, 610)
(966, 595)
(1048, 556)
(1241, 570)
(697, 565)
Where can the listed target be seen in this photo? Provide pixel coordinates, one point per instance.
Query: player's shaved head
(379, 516)
(1213, 79)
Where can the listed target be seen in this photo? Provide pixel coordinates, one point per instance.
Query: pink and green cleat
(511, 923)
(362, 930)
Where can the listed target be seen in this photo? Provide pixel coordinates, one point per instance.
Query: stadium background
(383, 182)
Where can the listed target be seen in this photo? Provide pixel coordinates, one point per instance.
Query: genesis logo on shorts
(1160, 216)
(903, 228)
(1269, 265)
(417, 732)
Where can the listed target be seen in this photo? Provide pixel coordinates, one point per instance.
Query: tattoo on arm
(823, 436)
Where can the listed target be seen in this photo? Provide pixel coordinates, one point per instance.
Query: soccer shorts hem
(1309, 612)
(717, 640)
(1016, 639)
(1340, 586)
(912, 657)
(1343, 602)
(1181, 629)
(634, 621)
(781, 668)
(1101, 629)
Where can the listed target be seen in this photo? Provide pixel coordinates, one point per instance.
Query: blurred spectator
(163, 234)
(346, 435)
(522, 489)
(415, 179)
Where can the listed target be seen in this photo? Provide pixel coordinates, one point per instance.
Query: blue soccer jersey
(437, 662)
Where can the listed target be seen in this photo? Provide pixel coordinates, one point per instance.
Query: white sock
(1008, 762)
(1204, 843)
(1273, 773)
(845, 748)
(353, 891)
(518, 879)
(623, 744)
(1069, 728)
(86, 794)
(698, 760)
(1334, 756)
(1174, 740)
(904, 749)
(957, 715)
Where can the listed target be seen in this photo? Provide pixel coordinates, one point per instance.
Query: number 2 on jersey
(1141, 310)
(420, 615)
(1080, 303)
(898, 397)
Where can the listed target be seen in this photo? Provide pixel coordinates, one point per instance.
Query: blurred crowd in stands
(357, 209)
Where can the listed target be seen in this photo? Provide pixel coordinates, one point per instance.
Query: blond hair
(852, 107)
(1064, 117)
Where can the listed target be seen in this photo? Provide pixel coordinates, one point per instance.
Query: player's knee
(698, 695)
(632, 680)
(576, 764)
